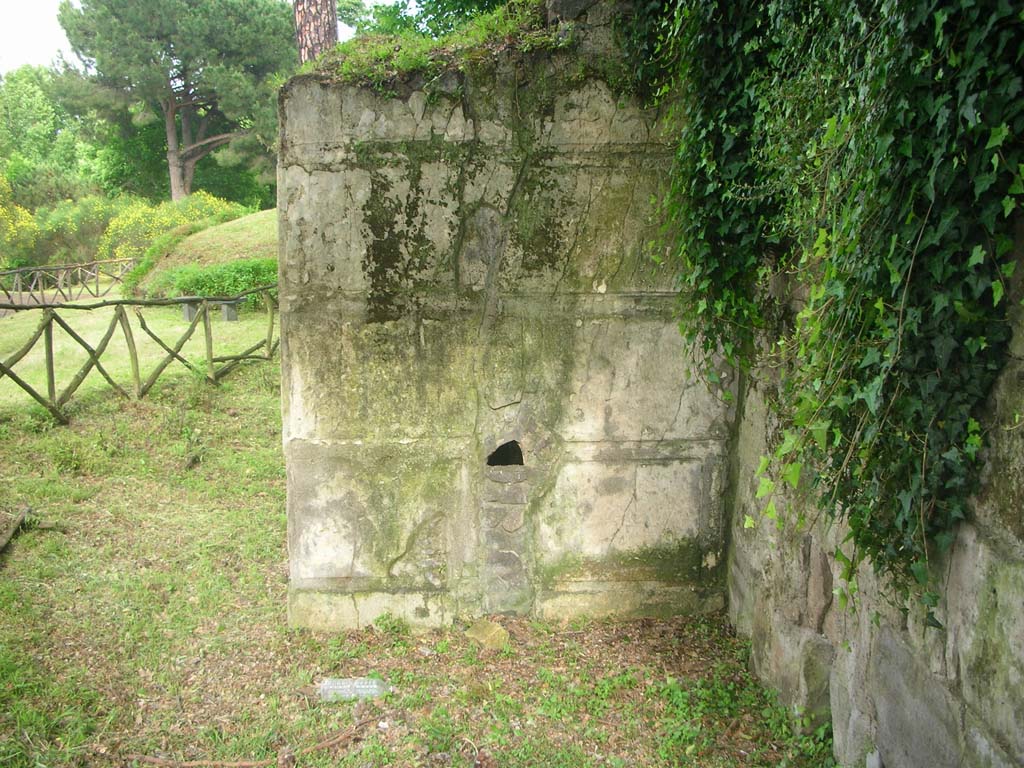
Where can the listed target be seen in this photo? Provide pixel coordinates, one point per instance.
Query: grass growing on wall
(377, 60)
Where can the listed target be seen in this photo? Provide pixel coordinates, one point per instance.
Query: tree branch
(204, 147)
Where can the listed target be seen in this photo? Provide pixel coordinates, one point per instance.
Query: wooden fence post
(51, 381)
(133, 354)
(211, 373)
(270, 322)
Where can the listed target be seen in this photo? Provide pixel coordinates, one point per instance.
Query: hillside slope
(250, 237)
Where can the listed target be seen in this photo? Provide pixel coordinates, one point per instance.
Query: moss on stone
(679, 562)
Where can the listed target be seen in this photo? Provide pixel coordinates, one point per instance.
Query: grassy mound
(248, 238)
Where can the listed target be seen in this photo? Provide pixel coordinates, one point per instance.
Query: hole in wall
(508, 454)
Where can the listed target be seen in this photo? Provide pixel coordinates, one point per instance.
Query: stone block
(797, 662)
(918, 720)
(597, 508)
(464, 265)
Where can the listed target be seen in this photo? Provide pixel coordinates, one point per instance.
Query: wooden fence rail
(213, 367)
(62, 283)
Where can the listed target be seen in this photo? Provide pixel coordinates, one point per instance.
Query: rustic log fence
(62, 283)
(213, 368)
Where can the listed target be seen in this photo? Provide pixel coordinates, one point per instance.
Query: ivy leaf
(749, 522)
(920, 570)
(819, 431)
(789, 443)
(977, 256)
(998, 136)
(997, 293)
(982, 182)
(765, 487)
(769, 510)
(762, 467)
(791, 474)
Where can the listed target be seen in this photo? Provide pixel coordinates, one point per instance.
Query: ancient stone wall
(487, 409)
(465, 266)
(899, 694)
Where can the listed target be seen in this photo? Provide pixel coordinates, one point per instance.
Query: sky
(30, 34)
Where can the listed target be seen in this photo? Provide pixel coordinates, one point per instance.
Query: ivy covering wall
(847, 185)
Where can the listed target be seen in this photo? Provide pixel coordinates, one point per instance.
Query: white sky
(30, 34)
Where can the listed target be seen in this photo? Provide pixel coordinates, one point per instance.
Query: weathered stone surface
(464, 265)
(798, 661)
(568, 9)
(488, 634)
(917, 717)
(913, 696)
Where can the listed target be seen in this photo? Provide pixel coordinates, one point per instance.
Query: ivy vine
(868, 157)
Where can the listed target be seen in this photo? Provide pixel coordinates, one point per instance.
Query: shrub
(18, 231)
(133, 230)
(70, 231)
(228, 279)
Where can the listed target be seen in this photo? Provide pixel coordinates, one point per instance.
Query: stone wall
(464, 276)
(463, 266)
(899, 694)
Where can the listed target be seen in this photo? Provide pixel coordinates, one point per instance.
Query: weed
(438, 731)
(392, 626)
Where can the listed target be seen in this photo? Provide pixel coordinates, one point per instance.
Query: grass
(167, 322)
(152, 621)
(204, 244)
(377, 60)
(250, 237)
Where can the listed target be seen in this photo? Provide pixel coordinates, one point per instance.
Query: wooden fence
(68, 282)
(213, 367)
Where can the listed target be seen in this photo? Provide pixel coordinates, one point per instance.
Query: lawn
(167, 322)
(250, 237)
(142, 612)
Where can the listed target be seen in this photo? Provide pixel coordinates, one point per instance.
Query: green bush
(18, 231)
(228, 279)
(135, 228)
(70, 231)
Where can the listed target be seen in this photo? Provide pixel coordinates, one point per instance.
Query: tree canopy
(209, 68)
(42, 151)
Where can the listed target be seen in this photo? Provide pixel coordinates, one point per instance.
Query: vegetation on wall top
(378, 59)
(867, 156)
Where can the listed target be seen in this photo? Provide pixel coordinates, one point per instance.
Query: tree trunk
(316, 27)
(175, 165)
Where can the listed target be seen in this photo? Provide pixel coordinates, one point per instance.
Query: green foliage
(208, 68)
(228, 279)
(42, 152)
(695, 711)
(18, 231)
(379, 59)
(70, 231)
(132, 231)
(433, 17)
(132, 158)
(392, 626)
(867, 158)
